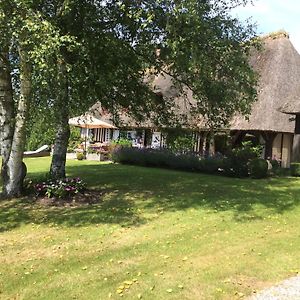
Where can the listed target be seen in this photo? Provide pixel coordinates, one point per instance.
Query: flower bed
(63, 188)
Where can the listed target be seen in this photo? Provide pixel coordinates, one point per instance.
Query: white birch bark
(58, 164)
(6, 115)
(13, 166)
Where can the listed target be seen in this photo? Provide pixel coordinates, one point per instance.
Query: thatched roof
(162, 84)
(278, 65)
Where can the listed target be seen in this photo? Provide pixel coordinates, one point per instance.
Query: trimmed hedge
(155, 158)
(190, 162)
(258, 168)
(295, 169)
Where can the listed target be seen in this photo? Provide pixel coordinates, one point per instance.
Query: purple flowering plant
(62, 188)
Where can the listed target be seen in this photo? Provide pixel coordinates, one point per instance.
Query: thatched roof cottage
(278, 66)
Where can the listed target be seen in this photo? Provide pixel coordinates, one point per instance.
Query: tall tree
(85, 51)
(22, 30)
(201, 46)
(13, 113)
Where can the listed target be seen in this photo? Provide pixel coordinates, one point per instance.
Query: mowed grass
(166, 234)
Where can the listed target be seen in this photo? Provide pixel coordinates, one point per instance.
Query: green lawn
(168, 234)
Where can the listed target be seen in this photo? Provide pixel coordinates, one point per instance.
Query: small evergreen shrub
(79, 155)
(258, 168)
(295, 169)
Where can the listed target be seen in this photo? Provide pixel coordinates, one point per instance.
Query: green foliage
(80, 155)
(91, 150)
(295, 169)
(242, 162)
(258, 168)
(39, 130)
(75, 139)
(210, 165)
(275, 164)
(182, 144)
(276, 167)
(217, 69)
(166, 159)
(237, 162)
(123, 142)
(81, 51)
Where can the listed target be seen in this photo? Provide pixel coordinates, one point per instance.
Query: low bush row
(295, 169)
(240, 163)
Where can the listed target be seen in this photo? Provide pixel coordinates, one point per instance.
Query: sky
(274, 15)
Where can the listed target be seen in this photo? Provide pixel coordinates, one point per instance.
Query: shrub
(182, 144)
(92, 150)
(258, 168)
(275, 163)
(60, 188)
(188, 162)
(79, 155)
(295, 169)
(237, 165)
(210, 165)
(123, 143)
(115, 145)
(166, 159)
(159, 158)
(121, 155)
(237, 162)
(143, 157)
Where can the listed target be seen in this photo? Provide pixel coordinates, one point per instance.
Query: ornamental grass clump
(63, 188)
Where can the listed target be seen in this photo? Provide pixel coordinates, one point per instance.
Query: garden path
(288, 289)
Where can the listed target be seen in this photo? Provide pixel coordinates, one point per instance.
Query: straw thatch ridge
(278, 65)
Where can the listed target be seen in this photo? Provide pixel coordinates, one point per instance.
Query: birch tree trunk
(6, 115)
(58, 164)
(12, 136)
(15, 168)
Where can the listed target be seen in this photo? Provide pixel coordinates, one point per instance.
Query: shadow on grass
(130, 189)
(15, 212)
